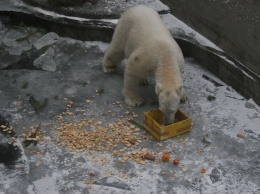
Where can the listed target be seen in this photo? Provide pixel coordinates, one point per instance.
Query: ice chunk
(13, 36)
(16, 41)
(47, 39)
(46, 61)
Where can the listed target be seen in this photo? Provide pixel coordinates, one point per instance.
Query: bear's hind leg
(111, 59)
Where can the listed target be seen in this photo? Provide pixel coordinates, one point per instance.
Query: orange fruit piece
(165, 157)
(203, 170)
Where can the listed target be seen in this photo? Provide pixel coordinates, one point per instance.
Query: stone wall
(233, 25)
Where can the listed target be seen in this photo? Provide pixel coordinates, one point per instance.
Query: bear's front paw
(184, 98)
(110, 69)
(137, 101)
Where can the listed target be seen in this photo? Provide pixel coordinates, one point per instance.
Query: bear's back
(144, 20)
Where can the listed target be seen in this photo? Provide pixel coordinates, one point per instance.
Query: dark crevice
(9, 153)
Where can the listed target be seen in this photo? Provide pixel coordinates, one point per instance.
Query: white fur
(142, 38)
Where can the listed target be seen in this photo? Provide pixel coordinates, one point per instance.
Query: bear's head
(169, 101)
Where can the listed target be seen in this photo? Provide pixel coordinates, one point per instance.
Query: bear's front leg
(112, 58)
(130, 91)
(109, 66)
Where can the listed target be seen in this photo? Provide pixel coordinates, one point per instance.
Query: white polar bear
(142, 38)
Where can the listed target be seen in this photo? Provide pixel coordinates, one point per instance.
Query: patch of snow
(229, 106)
(46, 185)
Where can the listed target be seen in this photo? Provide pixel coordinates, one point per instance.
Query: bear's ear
(158, 88)
(179, 91)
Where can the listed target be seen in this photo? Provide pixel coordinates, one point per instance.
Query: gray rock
(250, 104)
(13, 36)
(16, 41)
(46, 40)
(252, 115)
(46, 61)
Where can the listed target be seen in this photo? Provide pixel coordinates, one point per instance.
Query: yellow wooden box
(153, 123)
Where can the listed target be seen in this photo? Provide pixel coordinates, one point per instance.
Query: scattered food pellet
(132, 140)
(184, 169)
(149, 156)
(88, 187)
(163, 172)
(137, 129)
(181, 140)
(240, 134)
(38, 164)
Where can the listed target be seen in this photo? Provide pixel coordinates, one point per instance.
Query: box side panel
(156, 115)
(152, 132)
(151, 126)
(161, 132)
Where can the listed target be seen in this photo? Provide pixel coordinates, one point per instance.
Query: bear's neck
(169, 75)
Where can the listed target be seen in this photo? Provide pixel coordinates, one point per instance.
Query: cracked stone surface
(78, 90)
(100, 9)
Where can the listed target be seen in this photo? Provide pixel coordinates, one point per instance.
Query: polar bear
(142, 38)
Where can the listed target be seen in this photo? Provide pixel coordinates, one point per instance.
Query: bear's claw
(143, 82)
(184, 98)
(111, 69)
(138, 101)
